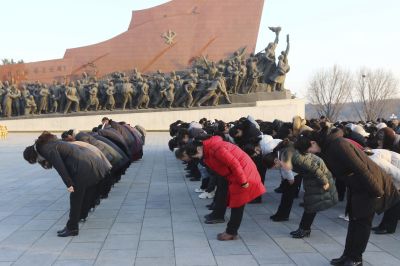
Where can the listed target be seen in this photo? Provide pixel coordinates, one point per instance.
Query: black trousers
(341, 188)
(220, 198)
(262, 170)
(235, 220)
(204, 183)
(193, 168)
(80, 202)
(212, 182)
(307, 219)
(390, 218)
(358, 233)
(288, 195)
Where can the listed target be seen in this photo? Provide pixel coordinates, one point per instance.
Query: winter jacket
(142, 132)
(77, 166)
(112, 155)
(124, 163)
(315, 175)
(94, 150)
(116, 138)
(370, 188)
(127, 136)
(389, 161)
(137, 147)
(125, 159)
(237, 167)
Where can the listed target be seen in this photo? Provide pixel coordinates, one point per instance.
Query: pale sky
(350, 33)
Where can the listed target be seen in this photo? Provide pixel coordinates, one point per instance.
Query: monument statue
(110, 105)
(30, 107)
(279, 76)
(44, 99)
(72, 97)
(207, 83)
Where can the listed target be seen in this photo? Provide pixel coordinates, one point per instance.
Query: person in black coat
(80, 169)
(370, 189)
(112, 156)
(115, 137)
(124, 132)
(246, 132)
(125, 159)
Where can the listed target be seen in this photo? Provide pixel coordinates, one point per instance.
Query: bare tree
(328, 90)
(373, 90)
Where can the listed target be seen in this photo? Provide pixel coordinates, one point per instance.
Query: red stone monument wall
(166, 37)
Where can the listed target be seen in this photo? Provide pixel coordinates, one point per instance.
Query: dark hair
(65, 134)
(172, 144)
(233, 131)
(221, 126)
(104, 119)
(303, 142)
(30, 155)
(180, 153)
(191, 148)
(387, 136)
(203, 120)
(44, 138)
(267, 128)
(284, 131)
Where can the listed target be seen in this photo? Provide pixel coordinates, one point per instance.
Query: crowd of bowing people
(359, 161)
(89, 163)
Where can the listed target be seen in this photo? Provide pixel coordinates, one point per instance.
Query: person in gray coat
(80, 169)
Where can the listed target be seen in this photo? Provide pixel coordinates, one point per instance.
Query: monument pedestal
(160, 119)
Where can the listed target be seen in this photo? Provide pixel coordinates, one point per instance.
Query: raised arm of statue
(242, 53)
(206, 62)
(287, 47)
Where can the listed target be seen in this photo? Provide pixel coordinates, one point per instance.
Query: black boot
(278, 218)
(211, 219)
(339, 261)
(68, 232)
(300, 233)
(62, 230)
(350, 262)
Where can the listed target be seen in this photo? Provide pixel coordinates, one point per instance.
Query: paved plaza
(154, 217)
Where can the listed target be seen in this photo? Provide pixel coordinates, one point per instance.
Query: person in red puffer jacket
(229, 161)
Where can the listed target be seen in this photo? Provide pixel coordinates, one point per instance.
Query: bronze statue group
(207, 83)
(357, 162)
(89, 163)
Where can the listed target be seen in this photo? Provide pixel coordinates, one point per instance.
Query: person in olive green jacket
(320, 191)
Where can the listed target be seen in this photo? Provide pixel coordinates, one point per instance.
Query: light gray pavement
(153, 217)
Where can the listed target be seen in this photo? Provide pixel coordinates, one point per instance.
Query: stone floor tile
(236, 260)
(81, 251)
(121, 242)
(165, 261)
(194, 256)
(116, 257)
(155, 249)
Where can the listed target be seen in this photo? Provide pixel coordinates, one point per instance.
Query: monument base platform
(160, 119)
